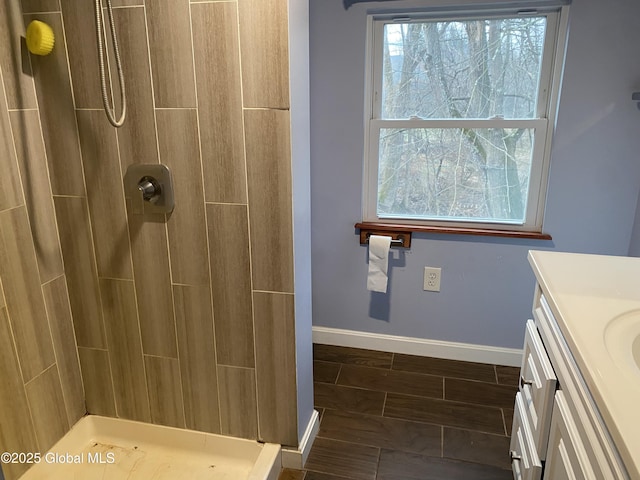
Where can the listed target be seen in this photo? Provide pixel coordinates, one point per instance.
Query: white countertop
(585, 292)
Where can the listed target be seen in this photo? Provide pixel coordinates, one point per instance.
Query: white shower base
(101, 448)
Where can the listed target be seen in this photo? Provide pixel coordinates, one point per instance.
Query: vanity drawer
(567, 458)
(538, 383)
(525, 461)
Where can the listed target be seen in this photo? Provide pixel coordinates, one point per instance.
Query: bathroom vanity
(577, 412)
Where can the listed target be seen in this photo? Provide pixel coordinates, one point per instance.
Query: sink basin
(622, 339)
(635, 348)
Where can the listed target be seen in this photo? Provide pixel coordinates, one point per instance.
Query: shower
(106, 313)
(111, 114)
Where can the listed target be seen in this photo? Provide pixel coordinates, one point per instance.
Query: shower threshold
(98, 448)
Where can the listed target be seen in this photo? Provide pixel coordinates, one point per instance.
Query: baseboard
(296, 458)
(418, 346)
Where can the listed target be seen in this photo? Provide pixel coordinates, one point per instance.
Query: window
(460, 112)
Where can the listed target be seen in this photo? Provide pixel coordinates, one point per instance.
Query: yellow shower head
(40, 38)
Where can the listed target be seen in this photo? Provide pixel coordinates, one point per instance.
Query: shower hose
(103, 77)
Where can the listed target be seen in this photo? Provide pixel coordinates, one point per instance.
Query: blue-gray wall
(487, 285)
(634, 247)
(300, 163)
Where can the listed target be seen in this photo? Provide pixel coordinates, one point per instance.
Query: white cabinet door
(566, 456)
(525, 462)
(537, 384)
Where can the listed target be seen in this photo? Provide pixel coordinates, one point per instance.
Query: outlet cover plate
(432, 279)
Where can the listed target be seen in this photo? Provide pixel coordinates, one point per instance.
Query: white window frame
(543, 123)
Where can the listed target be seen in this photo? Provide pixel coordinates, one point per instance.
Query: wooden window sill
(390, 227)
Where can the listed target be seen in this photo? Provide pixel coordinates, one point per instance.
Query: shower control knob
(150, 189)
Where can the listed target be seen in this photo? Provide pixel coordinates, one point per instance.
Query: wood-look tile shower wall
(187, 320)
(41, 392)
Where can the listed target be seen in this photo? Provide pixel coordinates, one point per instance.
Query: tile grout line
(335, 382)
(149, 65)
(94, 348)
(206, 216)
(238, 35)
(384, 403)
(54, 364)
(504, 422)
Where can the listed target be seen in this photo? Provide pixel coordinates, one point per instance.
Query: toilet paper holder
(394, 241)
(398, 238)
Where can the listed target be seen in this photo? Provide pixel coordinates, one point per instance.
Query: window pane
(454, 173)
(476, 68)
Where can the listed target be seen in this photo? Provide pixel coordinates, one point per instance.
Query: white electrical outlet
(432, 279)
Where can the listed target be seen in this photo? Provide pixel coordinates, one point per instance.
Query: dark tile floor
(390, 416)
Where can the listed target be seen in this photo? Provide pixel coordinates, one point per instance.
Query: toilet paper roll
(378, 263)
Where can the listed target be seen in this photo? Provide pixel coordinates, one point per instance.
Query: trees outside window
(458, 126)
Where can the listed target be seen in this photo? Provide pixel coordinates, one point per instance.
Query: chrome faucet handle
(150, 189)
